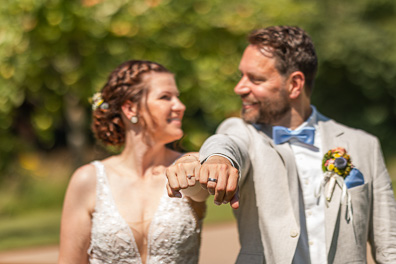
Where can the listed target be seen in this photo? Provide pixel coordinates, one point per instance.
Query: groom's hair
(292, 49)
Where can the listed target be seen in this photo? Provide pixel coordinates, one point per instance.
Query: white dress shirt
(312, 243)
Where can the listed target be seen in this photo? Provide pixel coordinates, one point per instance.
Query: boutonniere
(338, 161)
(336, 165)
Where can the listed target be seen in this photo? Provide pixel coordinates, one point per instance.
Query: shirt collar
(311, 121)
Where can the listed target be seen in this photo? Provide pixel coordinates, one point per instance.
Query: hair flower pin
(97, 101)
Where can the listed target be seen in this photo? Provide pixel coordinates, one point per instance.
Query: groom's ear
(129, 109)
(296, 83)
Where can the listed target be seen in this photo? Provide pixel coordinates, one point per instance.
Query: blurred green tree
(54, 54)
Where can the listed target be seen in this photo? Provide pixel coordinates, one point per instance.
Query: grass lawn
(217, 213)
(41, 227)
(33, 229)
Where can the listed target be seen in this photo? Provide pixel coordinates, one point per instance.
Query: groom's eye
(256, 80)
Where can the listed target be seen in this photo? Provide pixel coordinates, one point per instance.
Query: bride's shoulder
(83, 179)
(85, 173)
(81, 191)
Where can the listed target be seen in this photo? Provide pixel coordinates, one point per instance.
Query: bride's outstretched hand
(184, 173)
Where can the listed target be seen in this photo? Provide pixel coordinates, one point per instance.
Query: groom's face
(263, 90)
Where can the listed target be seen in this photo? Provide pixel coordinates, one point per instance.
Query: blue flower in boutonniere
(337, 161)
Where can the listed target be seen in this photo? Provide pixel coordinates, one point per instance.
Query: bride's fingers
(192, 171)
(197, 170)
(172, 193)
(181, 176)
(190, 179)
(172, 178)
(186, 173)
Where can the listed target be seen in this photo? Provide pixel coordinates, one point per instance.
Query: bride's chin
(175, 137)
(179, 136)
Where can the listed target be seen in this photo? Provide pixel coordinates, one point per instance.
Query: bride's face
(163, 111)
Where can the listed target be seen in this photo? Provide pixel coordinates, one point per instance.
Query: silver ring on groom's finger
(212, 180)
(190, 176)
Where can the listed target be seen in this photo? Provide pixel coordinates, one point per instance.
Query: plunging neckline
(132, 236)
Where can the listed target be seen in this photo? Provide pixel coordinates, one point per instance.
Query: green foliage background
(54, 54)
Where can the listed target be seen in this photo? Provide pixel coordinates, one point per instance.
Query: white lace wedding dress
(174, 234)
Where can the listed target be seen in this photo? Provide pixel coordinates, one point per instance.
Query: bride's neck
(141, 157)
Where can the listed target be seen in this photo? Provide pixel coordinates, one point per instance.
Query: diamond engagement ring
(212, 180)
(190, 176)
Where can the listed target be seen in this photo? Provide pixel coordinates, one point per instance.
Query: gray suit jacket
(268, 217)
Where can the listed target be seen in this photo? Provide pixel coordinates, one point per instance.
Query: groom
(288, 211)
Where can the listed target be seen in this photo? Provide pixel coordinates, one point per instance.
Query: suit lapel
(281, 197)
(286, 153)
(331, 136)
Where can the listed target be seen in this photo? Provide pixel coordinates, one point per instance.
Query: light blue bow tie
(282, 134)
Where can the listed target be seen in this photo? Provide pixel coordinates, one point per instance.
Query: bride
(117, 210)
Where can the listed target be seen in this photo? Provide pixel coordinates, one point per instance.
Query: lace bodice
(174, 234)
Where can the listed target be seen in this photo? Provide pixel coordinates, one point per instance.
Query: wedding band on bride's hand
(212, 180)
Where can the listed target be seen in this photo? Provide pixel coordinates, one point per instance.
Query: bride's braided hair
(124, 83)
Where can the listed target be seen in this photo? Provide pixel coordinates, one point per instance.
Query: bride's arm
(76, 216)
(183, 178)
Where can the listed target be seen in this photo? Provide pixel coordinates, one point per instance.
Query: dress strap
(102, 187)
(100, 172)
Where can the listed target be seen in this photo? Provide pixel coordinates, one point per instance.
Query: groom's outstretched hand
(221, 179)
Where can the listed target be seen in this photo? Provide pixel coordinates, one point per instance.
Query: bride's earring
(134, 119)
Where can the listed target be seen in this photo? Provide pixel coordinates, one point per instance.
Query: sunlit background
(54, 54)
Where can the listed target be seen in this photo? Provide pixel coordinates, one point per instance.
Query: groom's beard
(270, 110)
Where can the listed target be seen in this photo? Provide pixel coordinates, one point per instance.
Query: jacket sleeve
(382, 234)
(231, 140)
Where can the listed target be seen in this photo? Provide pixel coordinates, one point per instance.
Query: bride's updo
(124, 83)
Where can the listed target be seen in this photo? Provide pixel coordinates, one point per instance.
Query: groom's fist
(221, 179)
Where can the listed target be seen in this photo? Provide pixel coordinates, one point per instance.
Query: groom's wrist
(219, 155)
